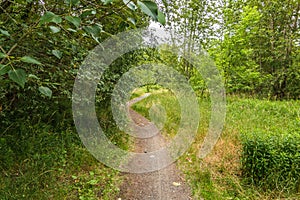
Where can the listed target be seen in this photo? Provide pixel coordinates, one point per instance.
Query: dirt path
(165, 184)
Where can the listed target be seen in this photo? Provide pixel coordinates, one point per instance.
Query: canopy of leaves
(44, 42)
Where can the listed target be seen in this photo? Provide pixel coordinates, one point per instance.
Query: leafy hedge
(272, 161)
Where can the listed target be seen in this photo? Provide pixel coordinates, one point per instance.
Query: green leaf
(130, 4)
(93, 182)
(161, 18)
(149, 8)
(45, 91)
(56, 19)
(18, 76)
(132, 20)
(57, 53)
(72, 30)
(33, 76)
(54, 29)
(4, 32)
(2, 55)
(74, 177)
(50, 17)
(91, 173)
(4, 69)
(31, 60)
(74, 20)
(93, 30)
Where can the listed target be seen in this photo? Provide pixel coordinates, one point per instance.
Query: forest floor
(164, 184)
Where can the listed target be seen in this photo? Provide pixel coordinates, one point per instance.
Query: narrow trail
(164, 184)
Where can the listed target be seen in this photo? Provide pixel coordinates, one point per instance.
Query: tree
(258, 52)
(44, 43)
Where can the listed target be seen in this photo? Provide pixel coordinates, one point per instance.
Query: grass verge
(41, 162)
(219, 175)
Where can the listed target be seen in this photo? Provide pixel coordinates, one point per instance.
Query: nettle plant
(272, 161)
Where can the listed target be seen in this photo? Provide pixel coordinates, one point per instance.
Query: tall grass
(220, 175)
(41, 162)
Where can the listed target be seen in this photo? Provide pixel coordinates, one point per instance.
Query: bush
(38, 162)
(272, 161)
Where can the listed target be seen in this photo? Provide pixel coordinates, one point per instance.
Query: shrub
(272, 161)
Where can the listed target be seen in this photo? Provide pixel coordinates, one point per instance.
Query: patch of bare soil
(165, 184)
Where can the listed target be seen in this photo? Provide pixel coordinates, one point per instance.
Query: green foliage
(257, 53)
(62, 37)
(164, 99)
(50, 17)
(268, 166)
(4, 69)
(272, 162)
(18, 76)
(94, 184)
(269, 135)
(42, 47)
(150, 8)
(40, 163)
(45, 91)
(28, 59)
(192, 21)
(74, 20)
(255, 44)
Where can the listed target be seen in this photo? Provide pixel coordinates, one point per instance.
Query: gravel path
(164, 184)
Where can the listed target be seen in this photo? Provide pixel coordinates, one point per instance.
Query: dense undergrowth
(43, 162)
(257, 156)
